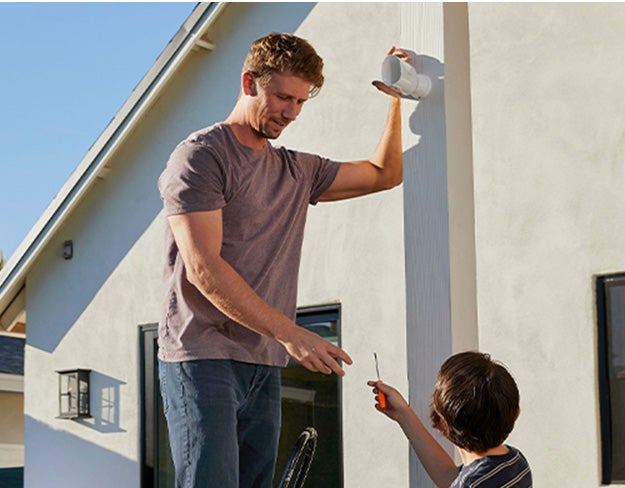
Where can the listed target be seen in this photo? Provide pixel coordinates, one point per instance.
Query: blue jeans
(223, 419)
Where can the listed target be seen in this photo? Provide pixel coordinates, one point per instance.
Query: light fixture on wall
(68, 249)
(74, 393)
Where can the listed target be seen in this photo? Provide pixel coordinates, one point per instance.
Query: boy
(474, 405)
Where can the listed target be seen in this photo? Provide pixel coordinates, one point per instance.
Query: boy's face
(276, 105)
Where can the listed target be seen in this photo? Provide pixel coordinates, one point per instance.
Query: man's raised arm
(383, 170)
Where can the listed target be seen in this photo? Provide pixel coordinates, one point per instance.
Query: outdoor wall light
(74, 393)
(68, 250)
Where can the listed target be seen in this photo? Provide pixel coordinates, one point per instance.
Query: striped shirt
(509, 470)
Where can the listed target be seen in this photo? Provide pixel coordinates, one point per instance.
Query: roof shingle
(12, 355)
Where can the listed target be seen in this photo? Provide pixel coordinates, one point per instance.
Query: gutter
(94, 164)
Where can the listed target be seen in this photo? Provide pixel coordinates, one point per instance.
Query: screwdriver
(381, 396)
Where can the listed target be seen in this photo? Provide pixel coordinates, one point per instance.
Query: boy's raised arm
(438, 464)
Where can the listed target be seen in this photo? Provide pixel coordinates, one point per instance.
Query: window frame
(149, 401)
(150, 392)
(604, 323)
(309, 315)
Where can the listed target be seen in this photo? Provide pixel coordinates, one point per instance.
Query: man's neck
(243, 130)
(468, 457)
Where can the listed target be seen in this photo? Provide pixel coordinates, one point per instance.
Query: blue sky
(65, 70)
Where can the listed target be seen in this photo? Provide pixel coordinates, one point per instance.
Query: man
(236, 208)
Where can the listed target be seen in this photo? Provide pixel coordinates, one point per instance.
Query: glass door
(308, 400)
(157, 469)
(313, 400)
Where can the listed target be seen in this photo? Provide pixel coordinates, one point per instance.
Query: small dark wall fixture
(74, 393)
(68, 249)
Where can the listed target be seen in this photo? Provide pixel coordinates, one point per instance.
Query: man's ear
(248, 82)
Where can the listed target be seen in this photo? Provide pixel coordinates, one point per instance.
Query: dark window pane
(312, 400)
(611, 317)
(308, 400)
(158, 468)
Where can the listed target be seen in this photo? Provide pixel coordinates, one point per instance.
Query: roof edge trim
(12, 275)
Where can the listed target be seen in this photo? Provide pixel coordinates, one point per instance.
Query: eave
(95, 163)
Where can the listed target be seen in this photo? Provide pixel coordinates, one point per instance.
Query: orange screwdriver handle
(381, 398)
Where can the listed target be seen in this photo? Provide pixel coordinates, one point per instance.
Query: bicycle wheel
(301, 457)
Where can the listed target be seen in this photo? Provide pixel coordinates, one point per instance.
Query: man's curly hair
(285, 53)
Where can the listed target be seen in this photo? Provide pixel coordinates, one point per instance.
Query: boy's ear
(518, 412)
(248, 82)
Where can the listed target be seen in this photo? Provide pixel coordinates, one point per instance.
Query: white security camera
(403, 77)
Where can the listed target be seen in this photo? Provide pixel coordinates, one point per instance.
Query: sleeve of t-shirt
(324, 172)
(193, 180)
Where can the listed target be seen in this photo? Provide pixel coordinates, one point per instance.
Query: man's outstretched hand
(314, 352)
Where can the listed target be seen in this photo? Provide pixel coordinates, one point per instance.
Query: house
(506, 236)
(11, 406)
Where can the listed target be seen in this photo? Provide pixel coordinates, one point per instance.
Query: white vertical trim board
(425, 215)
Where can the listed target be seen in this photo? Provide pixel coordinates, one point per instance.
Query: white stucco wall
(548, 146)
(85, 313)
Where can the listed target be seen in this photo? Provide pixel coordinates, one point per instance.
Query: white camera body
(403, 77)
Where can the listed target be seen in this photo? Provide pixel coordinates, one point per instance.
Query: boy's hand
(395, 402)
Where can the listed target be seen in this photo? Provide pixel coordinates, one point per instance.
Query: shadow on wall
(425, 177)
(426, 230)
(429, 116)
(58, 458)
(104, 404)
(426, 234)
(425, 197)
(121, 207)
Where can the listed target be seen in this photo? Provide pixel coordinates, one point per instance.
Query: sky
(65, 71)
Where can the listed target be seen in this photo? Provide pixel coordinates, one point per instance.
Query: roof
(94, 164)
(12, 355)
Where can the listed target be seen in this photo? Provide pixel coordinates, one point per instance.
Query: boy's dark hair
(279, 53)
(475, 402)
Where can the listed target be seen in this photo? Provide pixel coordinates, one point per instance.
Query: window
(308, 400)
(313, 400)
(157, 470)
(611, 334)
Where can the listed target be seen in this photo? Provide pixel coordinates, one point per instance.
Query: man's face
(277, 104)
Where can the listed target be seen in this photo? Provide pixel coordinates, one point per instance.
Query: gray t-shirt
(264, 196)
